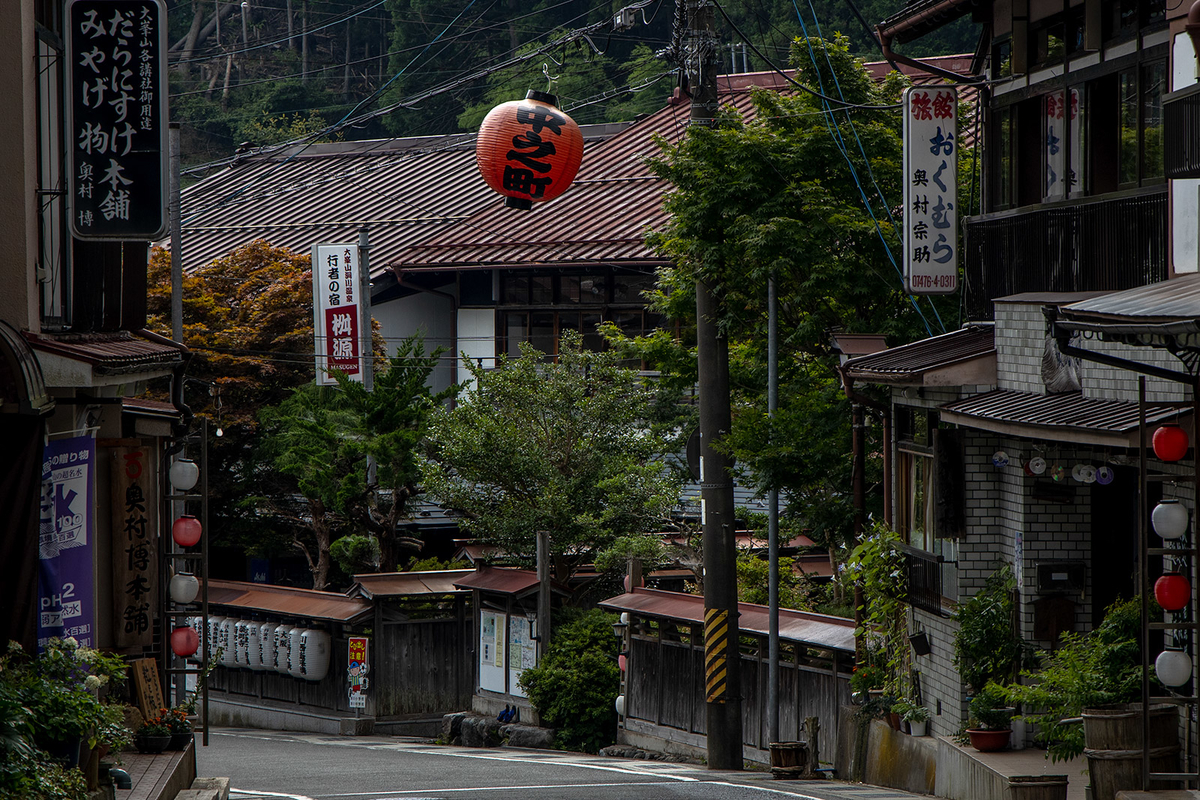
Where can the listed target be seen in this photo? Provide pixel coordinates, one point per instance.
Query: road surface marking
(258, 793)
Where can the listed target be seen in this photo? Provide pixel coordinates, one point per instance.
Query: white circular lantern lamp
(184, 588)
(1170, 519)
(620, 705)
(184, 474)
(1173, 667)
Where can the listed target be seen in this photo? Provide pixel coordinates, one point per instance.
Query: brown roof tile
(116, 353)
(285, 600)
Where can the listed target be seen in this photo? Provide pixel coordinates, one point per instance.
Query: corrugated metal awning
(393, 584)
(963, 357)
(505, 581)
(1066, 417)
(1174, 300)
(116, 353)
(286, 600)
(802, 627)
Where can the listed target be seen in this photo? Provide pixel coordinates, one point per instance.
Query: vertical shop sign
(66, 542)
(336, 315)
(930, 190)
(116, 85)
(356, 670)
(134, 552)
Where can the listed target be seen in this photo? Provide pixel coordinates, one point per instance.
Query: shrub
(988, 645)
(575, 686)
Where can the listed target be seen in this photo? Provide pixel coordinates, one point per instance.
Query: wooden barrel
(1113, 746)
(1037, 787)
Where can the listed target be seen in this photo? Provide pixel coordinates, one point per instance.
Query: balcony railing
(1181, 133)
(1116, 242)
(924, 572)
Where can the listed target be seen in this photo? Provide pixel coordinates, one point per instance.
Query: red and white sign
(336, 312)
(930, 190)
(357, 668)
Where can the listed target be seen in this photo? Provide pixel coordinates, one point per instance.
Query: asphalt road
(265, 765)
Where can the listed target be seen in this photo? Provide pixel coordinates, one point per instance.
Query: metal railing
(924, 572)
(1115, 242)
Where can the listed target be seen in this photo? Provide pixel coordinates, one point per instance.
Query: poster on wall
(357, 667)
(522, 651)
(491, 651)
(134, 504)
(66, 542)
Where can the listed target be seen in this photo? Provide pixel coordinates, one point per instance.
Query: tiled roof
(404, 190)
(504, 581)
(911, 361)
(307, 603)
(817, 630)
(391, 584)
(116, 353)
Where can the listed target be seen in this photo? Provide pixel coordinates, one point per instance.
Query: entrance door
(1115, 538)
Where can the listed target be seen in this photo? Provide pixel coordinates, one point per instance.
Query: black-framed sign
(116, 111)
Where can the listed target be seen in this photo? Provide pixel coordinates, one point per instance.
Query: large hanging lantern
(1172, 591)
(1170, 443)
(184, 474)
(186, 531)
(1170, 519)
(184, 587)
(619, 705)
(1173, 667)
(184, 641)
(528, 150)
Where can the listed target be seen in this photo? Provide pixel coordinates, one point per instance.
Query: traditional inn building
(1016, 440)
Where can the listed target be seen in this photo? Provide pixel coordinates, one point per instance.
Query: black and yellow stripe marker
(716, 653)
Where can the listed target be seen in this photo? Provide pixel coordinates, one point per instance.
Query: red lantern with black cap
(529, 150)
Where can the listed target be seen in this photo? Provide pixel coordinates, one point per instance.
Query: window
(1139, 124)
(53, 247)
(916, 519)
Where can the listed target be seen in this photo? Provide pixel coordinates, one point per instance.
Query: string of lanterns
(1172, 590)
(186, 532)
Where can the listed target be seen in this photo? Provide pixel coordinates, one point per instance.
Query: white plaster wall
(477, 337)
(428, 314)
(1185, 194)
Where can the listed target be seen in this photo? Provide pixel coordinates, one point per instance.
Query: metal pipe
(773, 519)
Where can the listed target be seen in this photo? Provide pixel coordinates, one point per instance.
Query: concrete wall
(430, 315)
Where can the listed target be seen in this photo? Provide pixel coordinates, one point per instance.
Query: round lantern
(1170, 443)
(316, 647)
(266, 647)
(1172, 591)
(241, 642)
(620, 705)
(184, 587)
(184, 641)
(295, 666)
(184, 474)
(1170, 519)
(186, 531)
(1173, 667)
(227, 641)
(528, 150)
(621, 662)
(282, 648)
(253, 649)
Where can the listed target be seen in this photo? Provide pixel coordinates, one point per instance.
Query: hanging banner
(134, 553)
(66, 542)
(116, 108)
(930, 190)
(336, 299)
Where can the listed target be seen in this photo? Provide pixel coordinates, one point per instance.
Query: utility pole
(772, 521)
(176, 236)
(722, 674)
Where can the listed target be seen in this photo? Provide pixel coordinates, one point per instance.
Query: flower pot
(152, 744)
(989, 741)
(917, 727)
(893, 719)
(179, 741)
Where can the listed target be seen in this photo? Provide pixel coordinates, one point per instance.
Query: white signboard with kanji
(930, 190)
(336, 317)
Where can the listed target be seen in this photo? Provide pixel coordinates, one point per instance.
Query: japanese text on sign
(336, 301)
(525, 172)
(930, 190)
(357, 668)
(66, 542)
(134, 506)
(117, 118)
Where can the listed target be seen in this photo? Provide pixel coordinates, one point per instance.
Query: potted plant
(917, 717)
(181, 729)
(989, 726)
(865, 680)
(154, 736)
(988, 645)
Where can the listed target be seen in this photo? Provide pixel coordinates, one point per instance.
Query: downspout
(885, 44)
(886, 413)
(177, 378)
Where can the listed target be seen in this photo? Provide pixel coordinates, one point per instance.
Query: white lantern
(1170, 519)
(620, 705)
(184, 587)
(184, 474)
(227, 641)
(295, 652)
(266, 646)
(315, 651)
(241, 643)
(1173, 667)
(283, 646)
(197, 624)
(253, 650)
(214, 638)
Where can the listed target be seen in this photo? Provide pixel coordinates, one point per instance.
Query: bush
(988, 646)
(575, 686)
(1099, 668)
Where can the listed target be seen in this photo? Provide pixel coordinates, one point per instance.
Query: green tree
(564, 446)
(354, 456)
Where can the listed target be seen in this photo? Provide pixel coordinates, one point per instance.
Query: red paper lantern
(186, 531)
(621, 662)
(528, 150)
(1170, 443)
(1172, 591)
(184, 641)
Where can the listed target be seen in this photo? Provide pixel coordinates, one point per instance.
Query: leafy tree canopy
(566, 447)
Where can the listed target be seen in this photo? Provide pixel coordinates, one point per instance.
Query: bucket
(1037, 787)
(789, 754)
(1113, 746)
